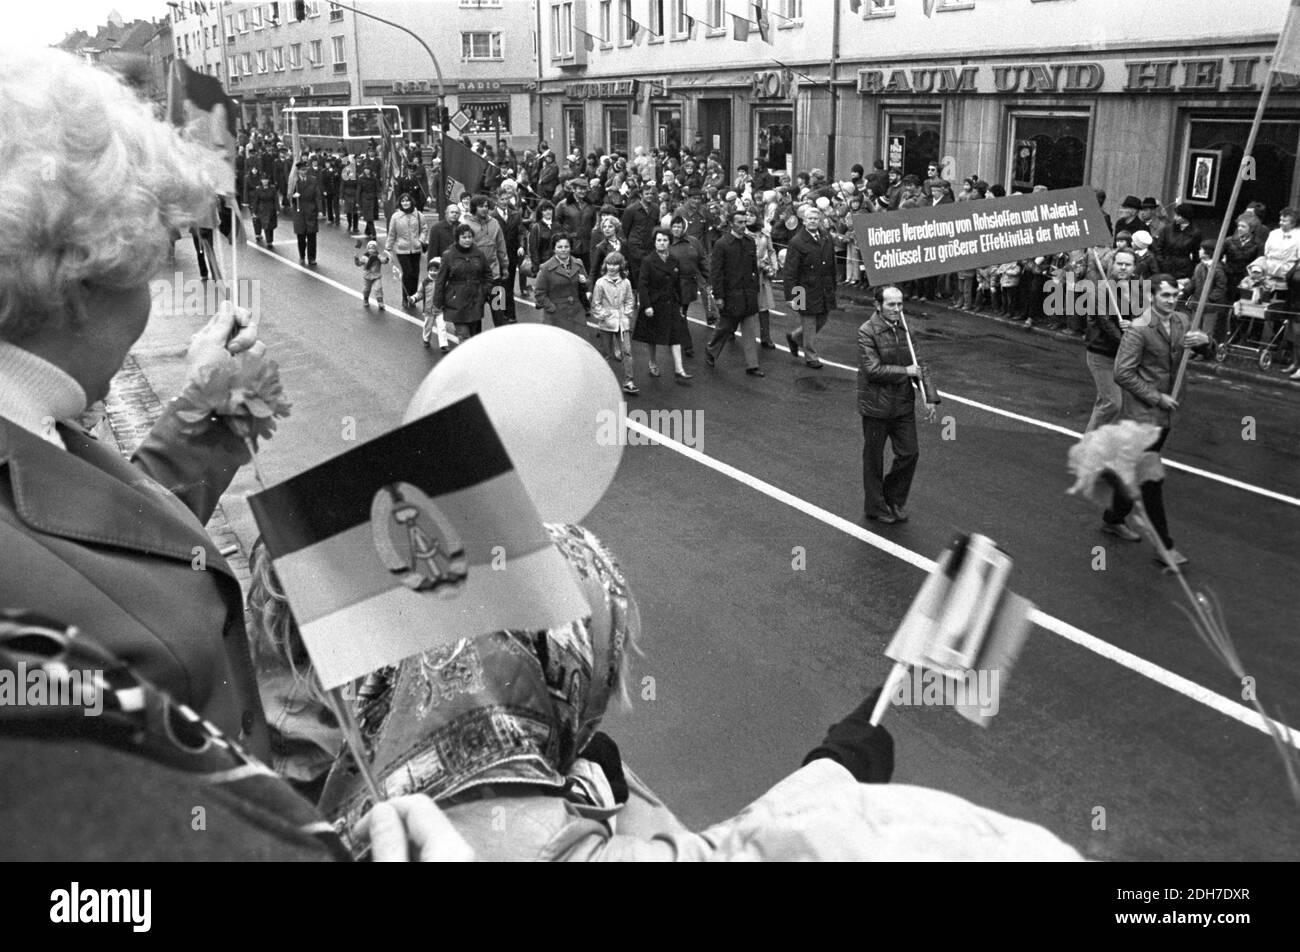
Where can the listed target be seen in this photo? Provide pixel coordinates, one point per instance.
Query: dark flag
(198, 104)
(463, 170)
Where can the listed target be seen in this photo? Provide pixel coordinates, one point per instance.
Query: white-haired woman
(91, 186)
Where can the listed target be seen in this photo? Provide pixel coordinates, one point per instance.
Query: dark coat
(1176, 250)
(578, 219)
(602, 251)
(810, 268)
(463, 283)
(660, 288)
(885, 391)
(112, 547)
(540, 238)
(548, 180)
(441, 237)
(306, 207)
(638, 226)
(689, 254)
(512, 227)
(266, 204)
(734, 271)
(368, 198)
(1238, 254)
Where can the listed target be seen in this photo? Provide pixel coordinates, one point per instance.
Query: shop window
(774, 138)
(616, 129)
(1049, 150)
(1212, 160)
(486, 118)
(912, 140)
(668, 128)
(575, 136)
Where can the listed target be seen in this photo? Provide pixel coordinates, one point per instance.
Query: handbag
(526, 267)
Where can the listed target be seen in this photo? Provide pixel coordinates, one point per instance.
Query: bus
(332, 127)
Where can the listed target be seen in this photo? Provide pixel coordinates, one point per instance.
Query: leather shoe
(794, 347)
(710, 360)
(755, 371)
(767, 345)
(885, 519)
(899, 513)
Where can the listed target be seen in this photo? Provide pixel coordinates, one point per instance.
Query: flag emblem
(416, 542)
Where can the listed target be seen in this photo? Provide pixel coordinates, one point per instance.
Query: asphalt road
(1118, 729)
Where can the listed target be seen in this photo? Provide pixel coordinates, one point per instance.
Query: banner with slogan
(922, 242)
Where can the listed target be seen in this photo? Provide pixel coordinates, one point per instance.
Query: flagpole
(1246, 158)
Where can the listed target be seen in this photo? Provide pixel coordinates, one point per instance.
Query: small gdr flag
(416, 539)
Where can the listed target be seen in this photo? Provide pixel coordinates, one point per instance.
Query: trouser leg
(1109, 396)
(748, 343)
(873, 466)
(765, 326)
(726, 327)
(902, 437)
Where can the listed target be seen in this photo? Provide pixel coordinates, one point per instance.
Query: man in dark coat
(329, 189)
(638, 228)
(548, 177)
(809, 280)
(283, 166)
(1129, 220)
(511, 222)
(367, 198)
(577, 216)
(1177, 245)
(306, 209)
(734, 272)
(887, 404)
(265, 210)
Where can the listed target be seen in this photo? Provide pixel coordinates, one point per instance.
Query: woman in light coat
(406, 238)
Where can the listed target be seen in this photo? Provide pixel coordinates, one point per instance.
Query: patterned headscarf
(510, 707)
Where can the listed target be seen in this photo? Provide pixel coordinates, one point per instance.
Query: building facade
(486, 50)
(1144, 97)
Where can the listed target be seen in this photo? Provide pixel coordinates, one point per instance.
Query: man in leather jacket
(887, 403)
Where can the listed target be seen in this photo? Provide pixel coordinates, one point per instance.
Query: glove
(866, 752)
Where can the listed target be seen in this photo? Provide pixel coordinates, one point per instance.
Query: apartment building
(1145, 97)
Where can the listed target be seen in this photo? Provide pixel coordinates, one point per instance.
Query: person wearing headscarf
(503, 732)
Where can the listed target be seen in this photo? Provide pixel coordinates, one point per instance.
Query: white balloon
(555, 404)
(823, 203)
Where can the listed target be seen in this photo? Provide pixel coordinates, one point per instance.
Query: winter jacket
(734, 269)
(463, 282)
(577, 219)
(368, 197)
(540, 238)
(1176, 249)
(885, 391)
(612, 302)
(810, 275)
(406, 231)
(266, 205)
(692, 264)
(1146, 364)
(638, 226)
(306, 207)
(557, 284)
(491, 240)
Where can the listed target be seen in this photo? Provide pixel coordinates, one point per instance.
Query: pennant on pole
(929, 8)
(1287, 58)
(697, 10)
(198, 104)
(739, 28)
(764, 24)
(855, 5)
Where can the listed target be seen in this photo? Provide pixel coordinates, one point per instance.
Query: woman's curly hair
(91, 186)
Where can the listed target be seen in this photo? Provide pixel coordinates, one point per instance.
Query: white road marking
(1104, 649)
(1141, 666)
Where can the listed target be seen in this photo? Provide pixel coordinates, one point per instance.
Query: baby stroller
(1257, 323)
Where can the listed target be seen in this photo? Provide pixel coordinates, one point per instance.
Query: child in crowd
(433, 322)
(1009, 281)
(612, 302)
(372, 262)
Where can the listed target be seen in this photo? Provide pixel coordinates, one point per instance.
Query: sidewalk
(1234, 368)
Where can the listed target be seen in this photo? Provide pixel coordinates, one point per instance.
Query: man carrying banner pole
(887, 403)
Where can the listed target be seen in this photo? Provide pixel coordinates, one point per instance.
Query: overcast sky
(43, 23)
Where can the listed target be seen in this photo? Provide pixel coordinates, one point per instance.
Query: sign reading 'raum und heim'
(921, 242)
